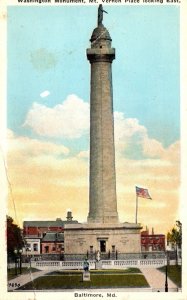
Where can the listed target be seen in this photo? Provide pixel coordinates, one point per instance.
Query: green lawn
(99, 279)
(11, 272)
(174, 273)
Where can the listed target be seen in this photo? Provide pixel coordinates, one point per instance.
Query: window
(54, 248)
(91, 249)
(46, 249)
(35, 247)
(28, 247)
(113, 248)
(102, 246)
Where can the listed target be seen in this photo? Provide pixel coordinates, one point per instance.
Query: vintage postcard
(93, 149)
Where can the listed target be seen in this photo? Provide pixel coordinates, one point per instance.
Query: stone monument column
(102, 193)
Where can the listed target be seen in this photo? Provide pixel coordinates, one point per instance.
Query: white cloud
(23, 146)
(83, 154)
(40, 172)
(127, 127)
(44, 94)
(130, 134)
(69, 119)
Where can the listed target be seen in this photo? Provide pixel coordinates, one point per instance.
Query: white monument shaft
(103, 233)
(102, 197)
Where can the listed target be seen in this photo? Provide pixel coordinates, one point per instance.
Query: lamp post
(20, 261)
(16, 270)
(116, 255)
(28, 249)
(16, 251)
(166, 279)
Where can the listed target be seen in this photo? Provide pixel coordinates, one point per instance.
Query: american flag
(140, 192)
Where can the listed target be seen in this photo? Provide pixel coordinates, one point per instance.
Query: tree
(179, 225)
(14, 237)
(175, 237)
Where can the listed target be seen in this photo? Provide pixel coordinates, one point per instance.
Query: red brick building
(152, 242)
(45, 237)
(53, 243)
(38, 228)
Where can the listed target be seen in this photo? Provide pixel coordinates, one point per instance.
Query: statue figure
(98, 256)
(100, 14)
(86, 265)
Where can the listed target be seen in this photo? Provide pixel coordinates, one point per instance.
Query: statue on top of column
(100, 14)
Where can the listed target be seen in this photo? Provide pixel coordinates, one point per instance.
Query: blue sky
(48, 89)
(145, 72)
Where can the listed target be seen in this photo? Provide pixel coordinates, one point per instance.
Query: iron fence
(103, 256)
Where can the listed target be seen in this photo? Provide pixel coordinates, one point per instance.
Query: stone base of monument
(86, 276)
(125, 236)
(98, 265)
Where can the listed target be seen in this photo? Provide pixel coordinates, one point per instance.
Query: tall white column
(102, 194)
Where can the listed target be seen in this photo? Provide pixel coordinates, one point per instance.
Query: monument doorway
(102, 246)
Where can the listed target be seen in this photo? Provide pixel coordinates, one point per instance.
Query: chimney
(69, 215)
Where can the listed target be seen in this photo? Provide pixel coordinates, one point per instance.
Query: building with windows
(38, 228)
(32, 246)
(152, 242)
(45, 237)
(52, 243)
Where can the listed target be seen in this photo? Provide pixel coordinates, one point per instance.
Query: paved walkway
(24, 278)
(156, 279)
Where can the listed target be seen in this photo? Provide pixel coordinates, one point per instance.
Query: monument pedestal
(86, 276)
(87, 238)
(98, 265)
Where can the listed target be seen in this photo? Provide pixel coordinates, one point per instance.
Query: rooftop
(53, 237)
(57, 223)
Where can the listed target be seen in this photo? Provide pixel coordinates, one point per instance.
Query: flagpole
(136, 207)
